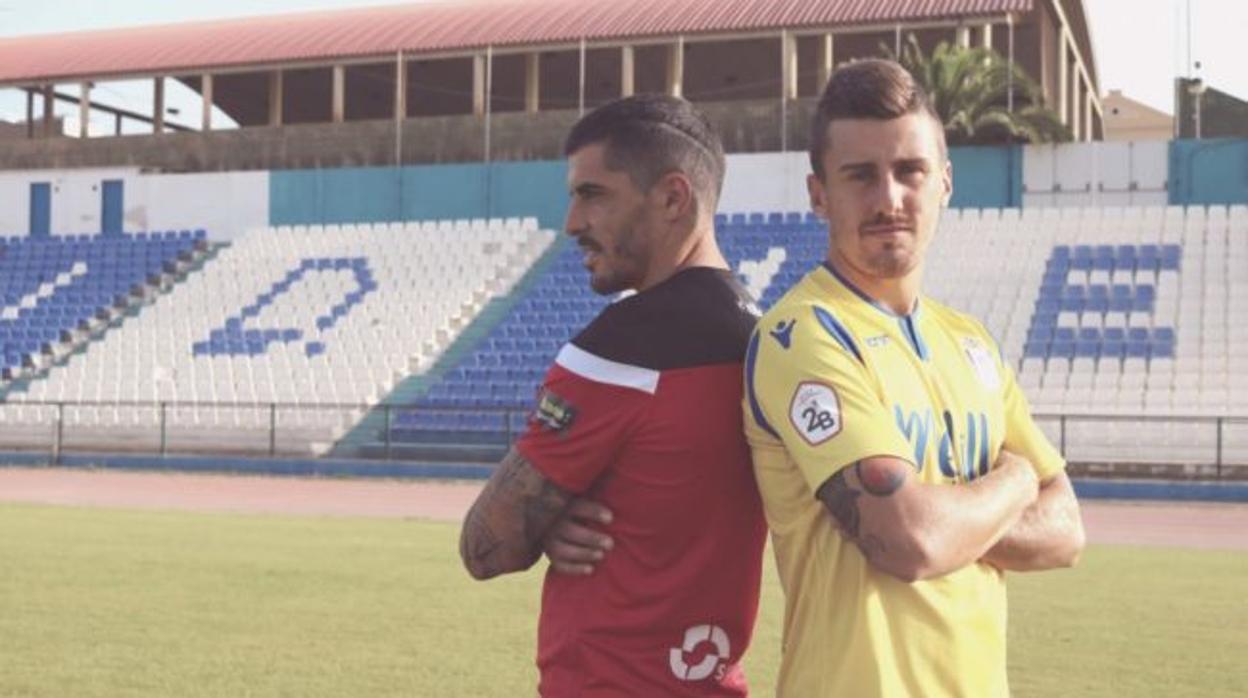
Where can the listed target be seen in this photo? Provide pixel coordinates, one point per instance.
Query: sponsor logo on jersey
(553, 412)
(783, 332)
(982, 361)
(877, 341)
(815, 412)
(708, 638)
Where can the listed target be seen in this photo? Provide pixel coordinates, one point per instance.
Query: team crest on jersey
(815, 412)
(553, 412)
(982, 361)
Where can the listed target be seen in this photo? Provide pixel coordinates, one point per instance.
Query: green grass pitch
(120, 603)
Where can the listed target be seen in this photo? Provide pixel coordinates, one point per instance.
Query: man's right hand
(573, 545)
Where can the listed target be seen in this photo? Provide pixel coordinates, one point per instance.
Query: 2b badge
(815, 412)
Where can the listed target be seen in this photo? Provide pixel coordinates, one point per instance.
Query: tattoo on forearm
(842, 501)
(504, 528)
(879, 479)
(478, 545)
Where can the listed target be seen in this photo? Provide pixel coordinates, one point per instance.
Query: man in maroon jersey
(641, 413)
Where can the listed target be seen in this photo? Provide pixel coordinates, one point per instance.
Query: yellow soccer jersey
(832, 378)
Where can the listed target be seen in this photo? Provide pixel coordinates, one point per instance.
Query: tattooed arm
(1048, 535)
(912, 530)
(504, 529)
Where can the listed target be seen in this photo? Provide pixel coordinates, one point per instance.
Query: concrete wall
(421, 192)
(1129, 173)
(224, 204)
(983, 177)
(76, 199)
(1212, 171)
(228, 203)
(747, 126)
(986, 176)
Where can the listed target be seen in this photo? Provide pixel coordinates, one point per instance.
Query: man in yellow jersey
(901, 471)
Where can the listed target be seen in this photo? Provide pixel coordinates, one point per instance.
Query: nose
(574, 222)
(888, 196)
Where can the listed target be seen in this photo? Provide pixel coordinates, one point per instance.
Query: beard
(891, 261)
(622, 266)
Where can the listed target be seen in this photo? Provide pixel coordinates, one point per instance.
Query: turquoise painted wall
(983, 177)
(1210, 171)
(987, 176)
(422, 192)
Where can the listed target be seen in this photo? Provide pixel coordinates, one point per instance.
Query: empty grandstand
(282, 341)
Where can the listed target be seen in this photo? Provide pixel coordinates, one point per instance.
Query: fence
(1189, 446)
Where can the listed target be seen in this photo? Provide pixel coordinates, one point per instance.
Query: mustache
(589, 245)
(883, 221)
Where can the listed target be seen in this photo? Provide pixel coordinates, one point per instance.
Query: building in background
(1220, 115)
(1129, 120)
(471, 81)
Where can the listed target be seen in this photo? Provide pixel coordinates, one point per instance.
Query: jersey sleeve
(814, 393)
(578, 428)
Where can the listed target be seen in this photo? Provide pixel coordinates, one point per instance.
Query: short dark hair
(868, 89)
(650, 135)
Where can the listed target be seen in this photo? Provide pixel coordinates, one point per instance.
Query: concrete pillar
(1063, 75)
(824, 62)
(478, 85)
(788, 66)
(1089, 133)
(116, 124)
(963, 37)
(30, 113)
(158, 104)
(84, 110)
(340, 94)
(400, 88)
(277, 97)
(49, 110)
(985, 40)
(627, 72)
(1076, 91)
(206, 91)
(532, 82)
(674, 84)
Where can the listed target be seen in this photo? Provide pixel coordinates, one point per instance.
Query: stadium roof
(441, 27)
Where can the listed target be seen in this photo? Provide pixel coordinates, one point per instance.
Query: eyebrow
(860, 167)
(588, 188)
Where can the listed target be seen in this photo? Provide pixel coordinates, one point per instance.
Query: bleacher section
(1115, 318)
(485, 399)
(1102, 311)
(320, 320)
(53, 291)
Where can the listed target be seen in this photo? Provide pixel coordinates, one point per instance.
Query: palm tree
(970, 88)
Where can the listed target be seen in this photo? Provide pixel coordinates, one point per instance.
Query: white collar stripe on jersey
(598, 369)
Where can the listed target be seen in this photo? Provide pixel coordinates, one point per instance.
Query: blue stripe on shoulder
(838, 332)
(751, 357)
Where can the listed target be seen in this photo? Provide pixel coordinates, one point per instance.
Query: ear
(674, 195)
(818, 201)
(947, 183)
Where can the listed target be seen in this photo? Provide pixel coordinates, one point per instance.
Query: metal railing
(1187, 445)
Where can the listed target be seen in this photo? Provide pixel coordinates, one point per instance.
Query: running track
(1194, 525)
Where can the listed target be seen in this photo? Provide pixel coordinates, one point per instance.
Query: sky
(1139, 45)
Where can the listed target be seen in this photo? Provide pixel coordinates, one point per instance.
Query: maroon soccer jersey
(642, 412)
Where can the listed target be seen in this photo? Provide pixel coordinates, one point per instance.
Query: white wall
(14, 205)
(224, 204)
(1132, 173)
(765, 182)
